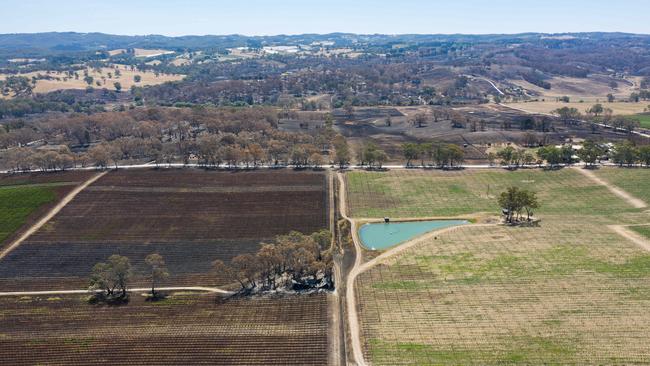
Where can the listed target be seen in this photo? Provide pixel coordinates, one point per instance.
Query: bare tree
(157, 270)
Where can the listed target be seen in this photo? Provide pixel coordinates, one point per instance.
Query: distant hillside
(38, 44)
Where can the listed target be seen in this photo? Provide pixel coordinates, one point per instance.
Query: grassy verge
(17, 203)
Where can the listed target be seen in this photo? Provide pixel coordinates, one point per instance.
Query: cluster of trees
(626, 153)
(554, 155)
(440, 155)
(509, 156)
(513, 201)
(341, 151)
(209, 136)
(591, 152)
(111, 279)
(16, 86)
(371, 155)
(599, 114)
(25, 159)
(295, 261)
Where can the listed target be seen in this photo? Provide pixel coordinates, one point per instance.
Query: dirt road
(69, 197)
(635, 202)
(360, 267)
(353, 319)
(143, 289)
(631, 235)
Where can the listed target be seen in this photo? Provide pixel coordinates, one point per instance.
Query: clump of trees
(341, 151)
(157, 272)
(371, 155)
(211, 137)
(513, 201)
(515, 158)
(438, 155)
(627, 154)
(568, 115)
(591, 153)
(295, 262)
(110, 280)
(17, 86)
(555, 156)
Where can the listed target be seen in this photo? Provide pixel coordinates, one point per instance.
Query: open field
(589, 89)
(571, 291)
(621, 108)
(18, 203)
(560, 294)
(642, 229)
(190, 217)
(635, 181)
(644, 119)
(24, 197)
(61, 81)
(141, 52)
(417, 193)
(184, 329)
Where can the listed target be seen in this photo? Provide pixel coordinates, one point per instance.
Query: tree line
(440, 155)
(294, 262)
(208, 136)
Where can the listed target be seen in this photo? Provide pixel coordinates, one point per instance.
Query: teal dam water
(381, 236)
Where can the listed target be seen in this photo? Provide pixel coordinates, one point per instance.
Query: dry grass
(126, 79)
(595, 86)
(141, 52)
(549, 106)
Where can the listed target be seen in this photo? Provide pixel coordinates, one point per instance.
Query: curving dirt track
(635, 202)
(69, 197)
(360, 267)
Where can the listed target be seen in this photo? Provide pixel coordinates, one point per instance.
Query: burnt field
(490, 125)
(184, 329)
(24, 198)
(191, 217)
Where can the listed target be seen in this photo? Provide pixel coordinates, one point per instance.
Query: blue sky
(259, 17)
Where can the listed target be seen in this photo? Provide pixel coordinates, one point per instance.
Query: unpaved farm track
(69, 197)
(635, 202)
(360, 267)
(632, 236)
(142, 289)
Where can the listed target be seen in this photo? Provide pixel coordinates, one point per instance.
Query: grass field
(569, 292)
(635, 181)
(642, 229)
(184, 329)
(23, 196)
(17, 203)
(417, 193)
(191, 217)
(59, 82)
(589, 89)
(550, 105)
(644, 119)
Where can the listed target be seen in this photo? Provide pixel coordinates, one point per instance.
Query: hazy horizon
(292, 17)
